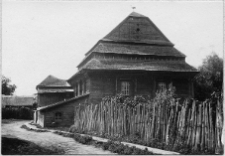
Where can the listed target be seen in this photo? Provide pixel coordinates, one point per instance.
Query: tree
(7, 88)
(210, 78)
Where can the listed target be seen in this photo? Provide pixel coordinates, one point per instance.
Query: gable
(137, 28)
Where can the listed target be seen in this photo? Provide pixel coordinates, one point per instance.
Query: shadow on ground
(15, 146)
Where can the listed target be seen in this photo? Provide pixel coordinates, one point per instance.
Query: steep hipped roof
(138, 29)
(136, 36)
(52, 81)
(138, 65)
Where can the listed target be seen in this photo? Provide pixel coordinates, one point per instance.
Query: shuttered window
(125, 88)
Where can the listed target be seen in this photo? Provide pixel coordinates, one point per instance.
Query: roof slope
(135, 14)
(61, 102)
(139, 29)
(136, 49)
(52, 81)
(141, 65)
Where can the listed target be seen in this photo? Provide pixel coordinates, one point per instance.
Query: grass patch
(117, 147)
(14, 146)
(114, 147)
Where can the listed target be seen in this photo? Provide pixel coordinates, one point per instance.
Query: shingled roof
(137, 28)
(136, 36)
(52, 81)
(52, 84)
(136, 49)
(141, 65)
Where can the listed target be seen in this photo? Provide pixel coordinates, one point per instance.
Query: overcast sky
(40, 38)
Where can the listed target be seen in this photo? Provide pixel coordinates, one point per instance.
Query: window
(85, 87)
(125, 88)
(58, 115)
(81, 88)
(76, 90)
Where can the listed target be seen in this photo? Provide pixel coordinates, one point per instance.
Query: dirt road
(50, 140)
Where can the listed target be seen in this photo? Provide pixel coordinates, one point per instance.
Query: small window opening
(58, 115)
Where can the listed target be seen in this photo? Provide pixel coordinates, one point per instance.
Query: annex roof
(52, 81)
(60, 102)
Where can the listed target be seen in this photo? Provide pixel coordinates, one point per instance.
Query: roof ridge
(135, 14)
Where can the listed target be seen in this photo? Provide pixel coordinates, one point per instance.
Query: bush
(210, 77)
(83, 139)
(124, 149)
(127, 150)
(17, 113)
(106, 145)
(72, 129)
(31, 129)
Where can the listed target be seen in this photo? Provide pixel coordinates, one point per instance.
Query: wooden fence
(198, 124)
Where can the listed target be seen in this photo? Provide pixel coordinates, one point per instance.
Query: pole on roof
(133, 8)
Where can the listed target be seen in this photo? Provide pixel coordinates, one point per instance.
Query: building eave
(61, 102)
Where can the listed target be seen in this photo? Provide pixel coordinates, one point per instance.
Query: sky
(41, 38)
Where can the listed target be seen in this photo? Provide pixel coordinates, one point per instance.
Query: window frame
(58, 115)
(125, 87)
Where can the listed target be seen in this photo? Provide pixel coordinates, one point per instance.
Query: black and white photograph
(112, 77)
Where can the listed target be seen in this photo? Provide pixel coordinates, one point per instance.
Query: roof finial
(133, 8)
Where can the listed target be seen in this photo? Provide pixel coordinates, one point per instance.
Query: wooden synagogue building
(135, 58)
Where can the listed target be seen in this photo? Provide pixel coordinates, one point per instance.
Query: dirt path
(50, 140)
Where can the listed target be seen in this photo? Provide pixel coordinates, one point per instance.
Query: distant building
(17, 101)
(52, 90)
(135, 58)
